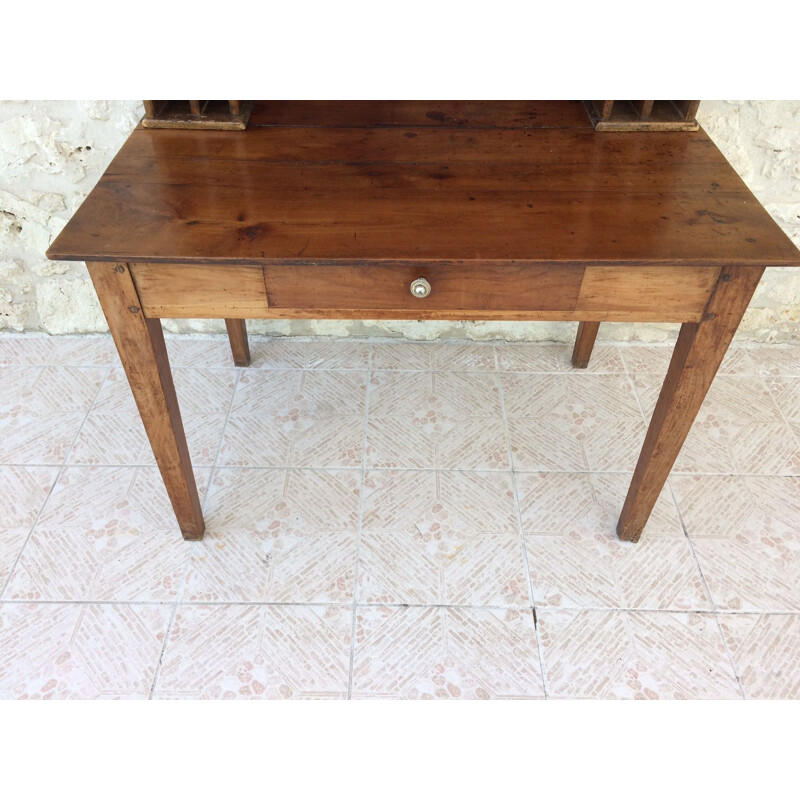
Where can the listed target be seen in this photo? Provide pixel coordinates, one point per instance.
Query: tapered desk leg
(584, 343)
(237, 333)
(698, 353)
(140, 342)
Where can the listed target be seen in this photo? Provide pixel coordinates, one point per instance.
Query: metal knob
(420, 287)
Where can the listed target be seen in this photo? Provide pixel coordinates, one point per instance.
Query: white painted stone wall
(53, 152)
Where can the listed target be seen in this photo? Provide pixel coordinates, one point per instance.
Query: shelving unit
(643, 115)
(217, 115)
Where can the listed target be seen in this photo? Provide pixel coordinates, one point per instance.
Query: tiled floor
(396, 520)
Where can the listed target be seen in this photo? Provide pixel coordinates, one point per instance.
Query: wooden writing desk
(485, 210)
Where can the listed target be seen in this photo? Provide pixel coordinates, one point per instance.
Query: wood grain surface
(524, 182)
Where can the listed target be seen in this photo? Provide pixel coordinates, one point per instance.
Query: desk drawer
(456, 291)
(449, 288)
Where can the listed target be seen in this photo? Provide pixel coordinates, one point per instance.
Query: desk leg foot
(237, 334)
(698, 353)
(584, 344)
(140, 343)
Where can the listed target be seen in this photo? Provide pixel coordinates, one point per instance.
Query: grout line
(215, 468)
(362, 492)
(193, 545)
(173, 614)
(786, 421)
(332, 604)
(709, 596)
(631, 376)
(690, 543)
(518, 509)
(222, 467)
(64, 464)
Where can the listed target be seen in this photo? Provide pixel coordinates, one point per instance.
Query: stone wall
(53, 152)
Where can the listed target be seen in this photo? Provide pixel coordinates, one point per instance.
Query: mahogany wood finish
(240, 347)
(217, 115)
(512, 210)
(643, 115)
(181, 290)
(140, 342)
(698, 353)
(459, 291)
(584, 344)
(298, 194)
(455, 287)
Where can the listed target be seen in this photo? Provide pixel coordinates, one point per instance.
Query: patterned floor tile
(464, 357)
(751, 576)
(251, 652)
(112, 499)
(736, 398)
(551, 445)
(258, 441)
(456, 395)
(583, 395)
(295, 440)
(199, 391)
(436, 442)
(766, 653)
(11, 541)
(745, 508)
(203, 352)
(240, 566)
(427, 420)
(115, 396)
(731, 399)
(320, 354)
(402, 355)
(585, 505)
(795, 458)
(445, 653)
(439, 502)
(204, 391)
(275, 501)
(467, 357)
(100, 564)
(647, 359)
(555, 358)
(739, 429)
(289, 393)
(49, 390)
(23, 491)
(113, 440)
(439, 524)
(776, 360)
(634, 655)
(571, 422)
(277, 354)
(18, 384)
(767, 448)
(74, 351)
(576, 572)
(640, 359)
(75, 651)
(786, 392)
(448, 568)
(278, 392)
(29, 350)
(337, 355)
(38, 438)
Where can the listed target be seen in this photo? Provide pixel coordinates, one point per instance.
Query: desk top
(400, 182)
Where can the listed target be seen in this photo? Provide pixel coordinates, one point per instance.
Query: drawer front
(437, 291)
(197, 291)
(422, 290)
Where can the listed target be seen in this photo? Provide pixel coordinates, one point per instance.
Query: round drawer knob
(420, 288)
